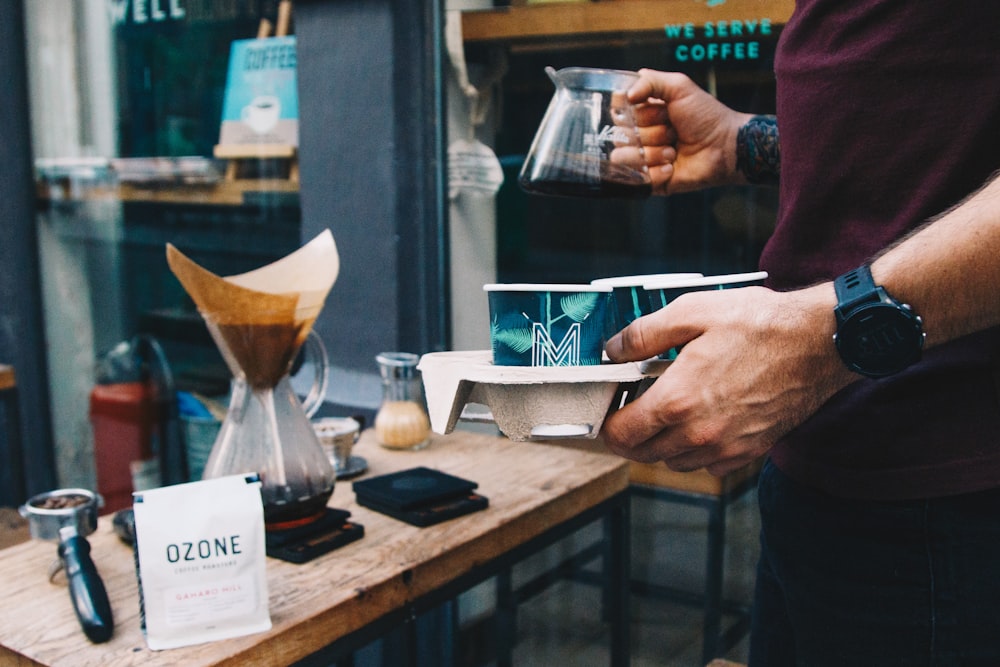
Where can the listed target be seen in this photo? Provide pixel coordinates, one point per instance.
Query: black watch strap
(854, 286)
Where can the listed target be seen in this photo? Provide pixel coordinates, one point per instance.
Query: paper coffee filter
(308, 272)
(291, 289)
(260, 319)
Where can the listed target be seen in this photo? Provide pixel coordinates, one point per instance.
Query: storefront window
(127, 102)
(725, 46)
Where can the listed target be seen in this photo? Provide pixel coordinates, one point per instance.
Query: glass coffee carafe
(260, 320)
(267, 429)
(588, 144)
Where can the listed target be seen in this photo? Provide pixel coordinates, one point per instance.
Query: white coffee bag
(201, 561)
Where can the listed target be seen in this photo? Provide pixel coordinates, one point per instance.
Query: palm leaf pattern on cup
(516, 331)
(579, 306)
(517, 339)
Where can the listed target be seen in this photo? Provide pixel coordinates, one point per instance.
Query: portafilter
(69, 515)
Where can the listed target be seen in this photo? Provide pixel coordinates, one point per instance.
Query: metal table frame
(614, 549)
(715, 639)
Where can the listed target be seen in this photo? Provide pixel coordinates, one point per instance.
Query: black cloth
(858, 583)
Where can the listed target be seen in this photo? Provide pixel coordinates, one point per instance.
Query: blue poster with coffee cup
(261, 104)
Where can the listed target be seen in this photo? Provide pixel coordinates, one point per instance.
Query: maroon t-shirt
(889, 114)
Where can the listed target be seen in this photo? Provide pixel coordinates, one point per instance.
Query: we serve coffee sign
(721, 40)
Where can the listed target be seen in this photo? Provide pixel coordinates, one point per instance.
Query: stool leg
(712, 627)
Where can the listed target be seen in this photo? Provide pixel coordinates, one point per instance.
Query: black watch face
(880, 339)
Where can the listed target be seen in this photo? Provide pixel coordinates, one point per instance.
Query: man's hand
(688, 136)
(755, 364)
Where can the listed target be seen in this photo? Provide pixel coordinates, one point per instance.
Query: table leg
(713, 581)
(618, 530)
(506, 618)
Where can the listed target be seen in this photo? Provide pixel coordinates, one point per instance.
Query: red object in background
(125, 418)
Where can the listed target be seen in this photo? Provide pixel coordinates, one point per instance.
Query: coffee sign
(261, 100)
(724, 40)
(719, 40)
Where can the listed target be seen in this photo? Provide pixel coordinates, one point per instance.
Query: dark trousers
(848, 583)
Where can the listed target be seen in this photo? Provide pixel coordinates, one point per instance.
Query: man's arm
(757, 363)
(949, 269)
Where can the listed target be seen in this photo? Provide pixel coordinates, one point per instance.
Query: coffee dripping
(260, 320)
(587, 144)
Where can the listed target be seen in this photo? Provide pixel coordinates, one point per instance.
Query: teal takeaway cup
(662, 292)
(629, 300)
(539, 324)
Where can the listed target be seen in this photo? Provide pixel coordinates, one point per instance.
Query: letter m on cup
(546, 353)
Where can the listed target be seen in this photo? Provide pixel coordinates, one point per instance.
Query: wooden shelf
(226, 193)
(553, 23)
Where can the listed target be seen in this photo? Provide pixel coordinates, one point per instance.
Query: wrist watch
(876, 334)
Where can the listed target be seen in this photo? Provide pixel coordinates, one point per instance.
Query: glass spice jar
(401, 421)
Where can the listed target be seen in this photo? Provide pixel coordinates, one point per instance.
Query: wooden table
(534, 491)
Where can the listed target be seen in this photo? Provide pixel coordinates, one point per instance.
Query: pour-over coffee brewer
(588, 144)
(260, 320)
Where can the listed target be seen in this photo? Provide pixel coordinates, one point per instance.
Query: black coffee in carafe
(576, 178)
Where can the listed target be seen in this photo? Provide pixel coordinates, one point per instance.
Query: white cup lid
(639, 281)
(707, 280)
(544, 287)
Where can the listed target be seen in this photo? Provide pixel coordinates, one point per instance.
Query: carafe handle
(316, 356)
